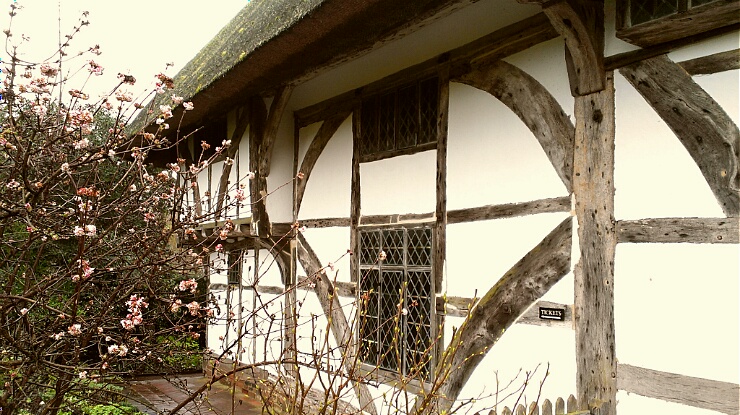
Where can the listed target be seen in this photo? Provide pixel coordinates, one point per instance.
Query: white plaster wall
(404, 184)
(328, 188)
(492, 157)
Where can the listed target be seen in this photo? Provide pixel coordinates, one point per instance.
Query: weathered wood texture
(492, 47)
(354, 198)
(697, 392)
(703, 127)
(621, 60)
(680, 230)
(326, 131)
(534, 105)
(499, 308)
(488, 212)
(258, 185)
(341, 288)
(340, 329)
(509, 210)
(718, 62)
(242, 122)
(546, 408)
(695, 21)
(440, 208)
(277, 109)
(461, 306)
(581, 24)
(593, 188)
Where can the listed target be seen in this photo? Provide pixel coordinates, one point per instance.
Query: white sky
(135, 36)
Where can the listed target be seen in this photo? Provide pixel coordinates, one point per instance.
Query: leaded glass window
(395, 298)
(643, 11)
(400, 119)
(235, 267)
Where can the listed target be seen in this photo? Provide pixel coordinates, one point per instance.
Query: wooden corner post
(593, 189)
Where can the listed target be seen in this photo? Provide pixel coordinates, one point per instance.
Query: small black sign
(549, 313)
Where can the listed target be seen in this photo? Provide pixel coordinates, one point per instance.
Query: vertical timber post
(291, 353)
(354, 214)
(593, 188)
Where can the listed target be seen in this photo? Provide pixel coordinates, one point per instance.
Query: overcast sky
(136, 36)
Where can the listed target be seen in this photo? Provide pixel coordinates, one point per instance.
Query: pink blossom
(193, 307)
(127, 324)
(188, 285)
(74, 330)
(95, 69)
(188, 106)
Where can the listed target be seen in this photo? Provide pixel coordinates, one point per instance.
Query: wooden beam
(461, 306)
(277, 109)
(703, 127)
(341, 288)
(326, 131)
(581, 24)
(498, 309)
(258, 185)
(621, 60)
(474, 214)
(440, 209)
(717, 62)
(340, 328)
(694, 21)
(355, 198)
(492, 47)
(593, 189)
(686, 390)
(680, 230)
(534, 105)
(242, 122)
(509, 210)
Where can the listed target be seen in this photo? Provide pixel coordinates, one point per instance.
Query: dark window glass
(235, 267)
(396, 299)
(400, 119)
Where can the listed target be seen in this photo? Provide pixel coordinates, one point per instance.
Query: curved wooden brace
(326, 131)
(703, 127)
(242, 123)
(581, 24)
(517, 290)
(535, 106)
(324, 290)
(277, 108)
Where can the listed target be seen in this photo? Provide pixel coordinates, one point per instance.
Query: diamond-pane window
(235, 267)
(642, 11)
(400, 119)
(395, 299)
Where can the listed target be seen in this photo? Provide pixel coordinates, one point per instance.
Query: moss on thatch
(256, 24)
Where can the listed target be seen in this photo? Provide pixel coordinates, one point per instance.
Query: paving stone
(157, 396)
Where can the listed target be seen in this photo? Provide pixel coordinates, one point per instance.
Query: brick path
(164, 396)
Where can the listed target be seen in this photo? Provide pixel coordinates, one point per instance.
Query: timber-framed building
(523, 181)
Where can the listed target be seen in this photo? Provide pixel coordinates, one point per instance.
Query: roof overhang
(276, 42)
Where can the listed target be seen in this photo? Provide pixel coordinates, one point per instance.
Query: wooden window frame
(688, 21)
(373, 370)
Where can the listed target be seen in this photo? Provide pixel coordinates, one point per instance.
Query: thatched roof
(272, 42)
